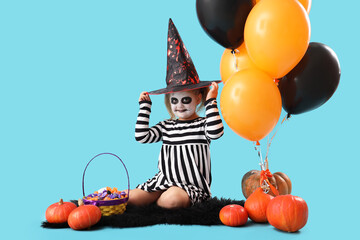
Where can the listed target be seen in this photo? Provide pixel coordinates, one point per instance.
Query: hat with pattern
(181, 74)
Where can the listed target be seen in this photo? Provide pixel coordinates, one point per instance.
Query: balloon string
(258, 149)
(235, 61)
(265, 183)
(269, 142)
(265, 173)
(264, 163)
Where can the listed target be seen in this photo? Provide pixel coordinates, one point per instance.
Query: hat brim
(182, 88)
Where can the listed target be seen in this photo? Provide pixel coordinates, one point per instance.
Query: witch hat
(181, 74)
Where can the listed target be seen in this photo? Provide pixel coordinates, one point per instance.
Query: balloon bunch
(268, 63)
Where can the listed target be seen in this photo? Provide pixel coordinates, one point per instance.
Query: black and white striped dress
(184, 159)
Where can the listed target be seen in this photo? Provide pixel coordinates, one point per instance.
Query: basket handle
(98, 156)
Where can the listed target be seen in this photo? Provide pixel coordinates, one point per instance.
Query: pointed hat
(181, 74)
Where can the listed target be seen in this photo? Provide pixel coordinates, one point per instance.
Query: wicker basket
(108, 207)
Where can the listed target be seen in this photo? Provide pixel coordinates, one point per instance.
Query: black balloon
(224, 20)
(312, 81)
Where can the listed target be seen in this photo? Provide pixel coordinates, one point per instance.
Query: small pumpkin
(257, 204)
(84, 216)
(59, 212)
(251, 181)
(233, 215)
(287, 212)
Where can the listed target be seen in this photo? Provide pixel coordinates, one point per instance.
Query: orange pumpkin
(287, 213)
(251, 181)
(257, 204)
(59, 212)
(84, 216)
(233, 215)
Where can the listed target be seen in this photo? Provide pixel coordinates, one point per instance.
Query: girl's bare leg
(173, 198)
(140, 197)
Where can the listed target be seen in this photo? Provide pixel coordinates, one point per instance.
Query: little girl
(184, 176)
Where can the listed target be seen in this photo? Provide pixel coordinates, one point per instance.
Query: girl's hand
(213, 92)
(144, 96)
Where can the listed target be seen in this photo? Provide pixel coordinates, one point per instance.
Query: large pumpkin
(251, 181)
(84, 216)
(59, 212)
(287, 213)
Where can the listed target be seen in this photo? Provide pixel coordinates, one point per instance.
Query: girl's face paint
(183, 104)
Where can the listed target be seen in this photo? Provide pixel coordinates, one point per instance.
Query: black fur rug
(206, 213)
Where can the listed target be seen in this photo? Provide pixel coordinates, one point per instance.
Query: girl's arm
(143, 133)
(214, 128)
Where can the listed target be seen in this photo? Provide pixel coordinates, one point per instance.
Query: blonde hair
(203, 91)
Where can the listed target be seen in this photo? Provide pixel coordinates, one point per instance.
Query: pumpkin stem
(80, 202)
(61, 202)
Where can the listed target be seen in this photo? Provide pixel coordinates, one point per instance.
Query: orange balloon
(231, 64)
(250, 103)
(306, 4)
(277, 35)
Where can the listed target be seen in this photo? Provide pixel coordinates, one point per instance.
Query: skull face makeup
(183, 104)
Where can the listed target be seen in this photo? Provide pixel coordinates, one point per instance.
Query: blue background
(71, 73)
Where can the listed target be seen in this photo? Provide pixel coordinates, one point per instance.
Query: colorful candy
(106, 194)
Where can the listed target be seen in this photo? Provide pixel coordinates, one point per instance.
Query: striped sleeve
(214, 128)
(143, 133)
